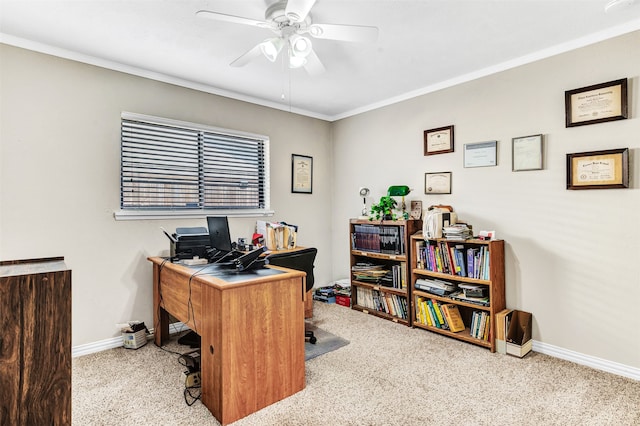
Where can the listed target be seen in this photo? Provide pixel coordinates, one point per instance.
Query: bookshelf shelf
(483, 260)
(380, 253)
(401, 258)
(399, 291)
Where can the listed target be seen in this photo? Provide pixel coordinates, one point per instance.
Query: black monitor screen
(219, 233)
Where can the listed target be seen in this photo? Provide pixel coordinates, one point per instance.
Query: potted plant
(384, 209)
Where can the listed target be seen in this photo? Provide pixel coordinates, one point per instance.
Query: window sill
(186, 214)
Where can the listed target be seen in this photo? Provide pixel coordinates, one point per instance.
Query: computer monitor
(219, 235)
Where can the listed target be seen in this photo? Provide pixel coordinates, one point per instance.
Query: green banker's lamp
(400, 191)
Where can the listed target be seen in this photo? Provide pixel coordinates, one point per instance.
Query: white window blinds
(169, 165)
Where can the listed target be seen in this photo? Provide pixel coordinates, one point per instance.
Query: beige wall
(571, 256)
(59, 171)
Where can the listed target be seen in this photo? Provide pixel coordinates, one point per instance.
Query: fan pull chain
(284, 77)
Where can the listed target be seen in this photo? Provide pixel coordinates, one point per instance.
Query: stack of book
(395, 277)
(435, 286)
(459, 231)
(343, 293)
(378, 239)
(391, 304)
(366, 238)
(480, 325)
(368, 272)
(434, 313)
(325, 294)
(459, 295)
(474, 290)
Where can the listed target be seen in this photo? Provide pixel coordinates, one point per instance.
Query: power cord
(192, 391)
(192, 394)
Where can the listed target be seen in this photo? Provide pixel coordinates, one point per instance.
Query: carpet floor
(388, 374)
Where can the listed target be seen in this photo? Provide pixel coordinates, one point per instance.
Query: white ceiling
(422, 45)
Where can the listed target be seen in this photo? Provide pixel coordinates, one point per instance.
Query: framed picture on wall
(598, 169)
(301, 174)
(526, 153)
(481, 154)
(437, 183)
(596, 104)
(438, 141)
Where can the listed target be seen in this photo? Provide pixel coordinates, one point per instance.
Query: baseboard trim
(589, 361)
(116, 342)
(543, 348)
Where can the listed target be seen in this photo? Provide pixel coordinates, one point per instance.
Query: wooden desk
(251, 328)
(308, 303)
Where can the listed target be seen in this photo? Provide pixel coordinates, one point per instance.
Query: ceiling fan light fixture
(300, 46)
(271, 48)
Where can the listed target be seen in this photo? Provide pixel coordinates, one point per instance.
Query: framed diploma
(301, 174)
(596, 104)
(481, 154)
(598, 169)
(438, 141)
(526, 153)
(437, 183)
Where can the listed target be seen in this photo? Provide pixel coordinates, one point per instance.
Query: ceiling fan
(291, 22)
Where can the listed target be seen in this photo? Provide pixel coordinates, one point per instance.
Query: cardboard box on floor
(502, 327)
(513, 332)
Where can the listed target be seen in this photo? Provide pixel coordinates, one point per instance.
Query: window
(173, 168)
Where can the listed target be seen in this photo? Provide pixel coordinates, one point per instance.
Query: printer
(189, 242)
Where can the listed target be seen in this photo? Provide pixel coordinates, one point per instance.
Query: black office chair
(300, 260)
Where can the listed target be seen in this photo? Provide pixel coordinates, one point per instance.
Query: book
(425, 313)
(483, 319)
(453, 317)
(471, 256)
(436, 309)
(434, 317)
(418, 311)
(460, 259)
(459, 295)
(487, 328)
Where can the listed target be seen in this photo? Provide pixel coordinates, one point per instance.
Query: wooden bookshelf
(492, 280)
(385, 244)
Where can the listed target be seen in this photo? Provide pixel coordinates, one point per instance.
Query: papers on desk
(277, 235)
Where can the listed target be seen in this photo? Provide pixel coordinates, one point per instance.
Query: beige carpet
(388, 374)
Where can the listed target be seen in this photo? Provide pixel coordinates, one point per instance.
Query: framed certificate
(598, 169)
(526, 153)
(301, 174)
(596, 104)
(481, 154)
(438, 141)
(437, 183)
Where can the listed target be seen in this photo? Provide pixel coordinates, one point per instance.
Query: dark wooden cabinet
(35, 342)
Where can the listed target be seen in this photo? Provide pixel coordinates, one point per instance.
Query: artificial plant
(383, 209)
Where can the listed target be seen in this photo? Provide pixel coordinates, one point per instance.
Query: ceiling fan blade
(313, 65)
(231, 18)
(356, 33)
(247, 57)
(297, 10)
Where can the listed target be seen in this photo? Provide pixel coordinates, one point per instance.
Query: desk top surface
(219, 276)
